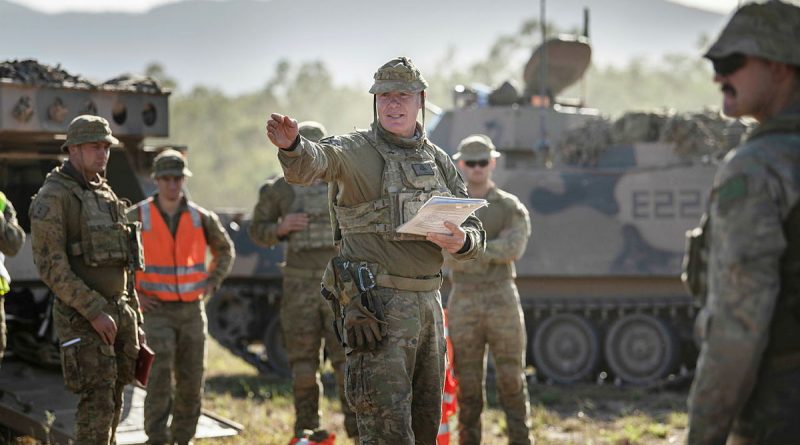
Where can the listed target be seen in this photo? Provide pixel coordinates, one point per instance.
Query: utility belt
(353, 283)
(296, 272)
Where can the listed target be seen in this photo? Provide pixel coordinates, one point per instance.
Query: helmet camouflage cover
(398, 74)
(768, 30)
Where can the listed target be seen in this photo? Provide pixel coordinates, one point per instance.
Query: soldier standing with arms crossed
(300, 215)
(384, 285)
(176, 233)
(83, 249)
(483, 307)
(11, 238)
(747, 383)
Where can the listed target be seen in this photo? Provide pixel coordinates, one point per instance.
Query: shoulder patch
(39, 210)
(730, 192)
(331, 140)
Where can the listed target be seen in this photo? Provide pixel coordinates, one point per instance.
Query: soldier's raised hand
(282, 130)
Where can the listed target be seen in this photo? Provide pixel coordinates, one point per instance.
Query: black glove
(364, 328)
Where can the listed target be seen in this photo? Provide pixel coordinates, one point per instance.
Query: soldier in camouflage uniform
(11, 238)
(300, 216)
(384, 285)
(483, 308)
(83, 249)
(747, 383)
(172, 288)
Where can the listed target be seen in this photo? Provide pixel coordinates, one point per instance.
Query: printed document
(438, 209)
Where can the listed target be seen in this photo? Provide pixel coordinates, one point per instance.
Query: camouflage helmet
(476, 147)
(170, 162)
(767, 30)
(311, 130)
(88, 128)
(398, 74)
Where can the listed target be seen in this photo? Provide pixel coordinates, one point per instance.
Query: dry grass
(577, 415)
(585, 415)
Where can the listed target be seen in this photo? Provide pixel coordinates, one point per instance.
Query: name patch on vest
(423, 169)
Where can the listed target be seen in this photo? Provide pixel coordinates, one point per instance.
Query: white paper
(437, 210)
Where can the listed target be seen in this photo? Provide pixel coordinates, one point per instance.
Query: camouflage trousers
(396, 390)
(307, 320)
(95, 371)
(771, 414)
(481, 315)
(177, 334)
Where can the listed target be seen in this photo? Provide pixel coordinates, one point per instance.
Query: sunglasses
(725, 66)
(472, 164)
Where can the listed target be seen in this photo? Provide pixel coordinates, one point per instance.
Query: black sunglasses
(725, 66)
(472, 164)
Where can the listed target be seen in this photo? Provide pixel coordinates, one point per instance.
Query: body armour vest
(313, 201)
(106, 238)
(410, 178)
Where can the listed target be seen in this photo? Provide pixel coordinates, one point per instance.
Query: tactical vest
(106, 238)
(175, 267)
(410, 178)
(313, 201)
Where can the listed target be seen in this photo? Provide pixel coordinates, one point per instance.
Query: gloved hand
(364, 328)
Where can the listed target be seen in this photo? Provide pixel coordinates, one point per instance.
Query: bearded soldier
(300, 216)
(747, 384)
(86, 253)
(384, 284)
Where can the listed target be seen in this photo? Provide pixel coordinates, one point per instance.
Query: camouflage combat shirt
(755, 192)
(507, 225)
(56, 223)
(356, 168)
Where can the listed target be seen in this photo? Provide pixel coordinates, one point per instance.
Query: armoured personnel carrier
(610, 202)
(37, 103)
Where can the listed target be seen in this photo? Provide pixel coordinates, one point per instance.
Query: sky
(134, 6)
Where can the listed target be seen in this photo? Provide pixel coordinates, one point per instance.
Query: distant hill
(234, 45)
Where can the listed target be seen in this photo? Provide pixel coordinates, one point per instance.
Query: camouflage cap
(398, 74)
(170, 163)
(87, 128)
(311, 130)
(476, 147)
(768, 30)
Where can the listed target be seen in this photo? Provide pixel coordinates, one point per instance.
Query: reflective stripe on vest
(175, 267)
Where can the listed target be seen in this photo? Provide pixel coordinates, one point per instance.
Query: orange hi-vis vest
(174, 268)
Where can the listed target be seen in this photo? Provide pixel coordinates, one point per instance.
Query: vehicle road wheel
(566, 348)
(228, 318)
(641, 349)
(273, 345)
